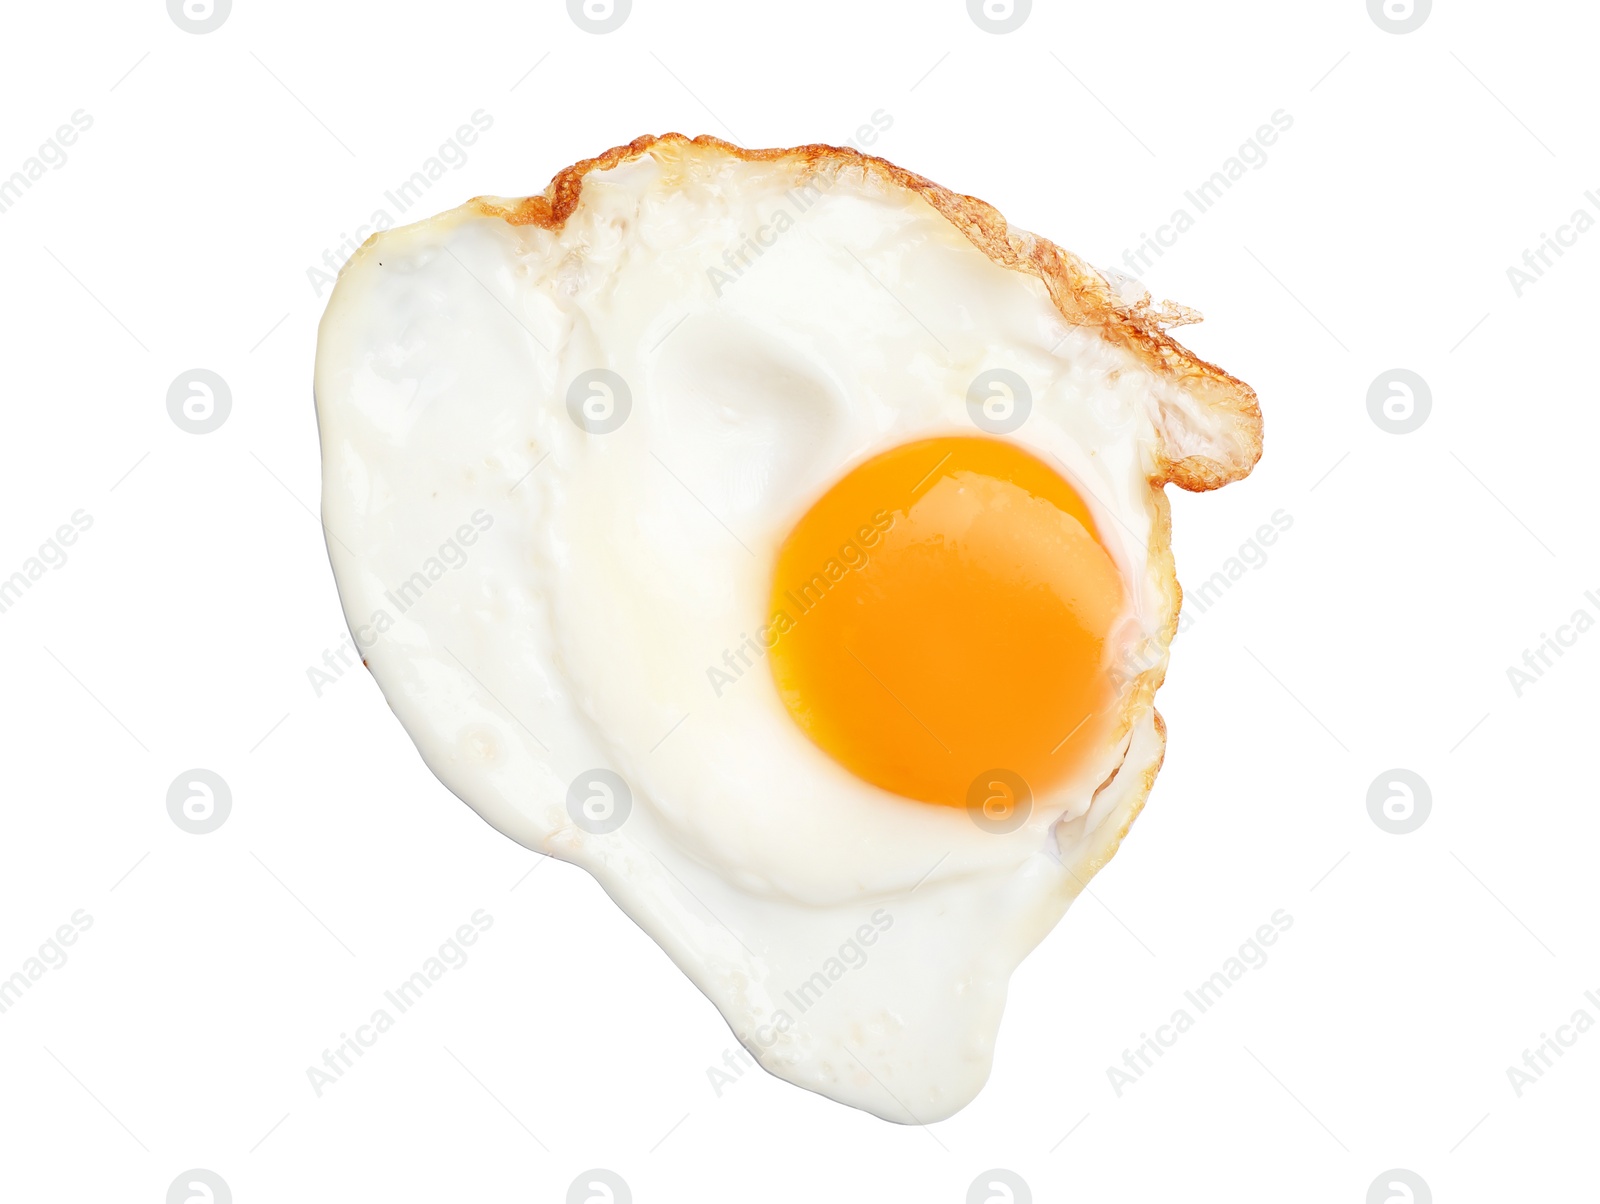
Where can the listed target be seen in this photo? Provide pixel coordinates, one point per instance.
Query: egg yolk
(942, 613)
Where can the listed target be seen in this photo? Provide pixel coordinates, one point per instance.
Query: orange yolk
(943, 612)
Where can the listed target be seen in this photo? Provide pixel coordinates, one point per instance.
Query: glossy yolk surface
(943, 611)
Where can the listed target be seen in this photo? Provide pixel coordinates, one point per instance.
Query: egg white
(609, 574)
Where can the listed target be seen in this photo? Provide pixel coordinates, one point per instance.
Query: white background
(178, 634)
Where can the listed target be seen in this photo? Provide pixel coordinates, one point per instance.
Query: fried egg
(781, 538)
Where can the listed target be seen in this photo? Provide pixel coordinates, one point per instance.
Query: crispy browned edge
(1097, 859)
(1083, 296)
